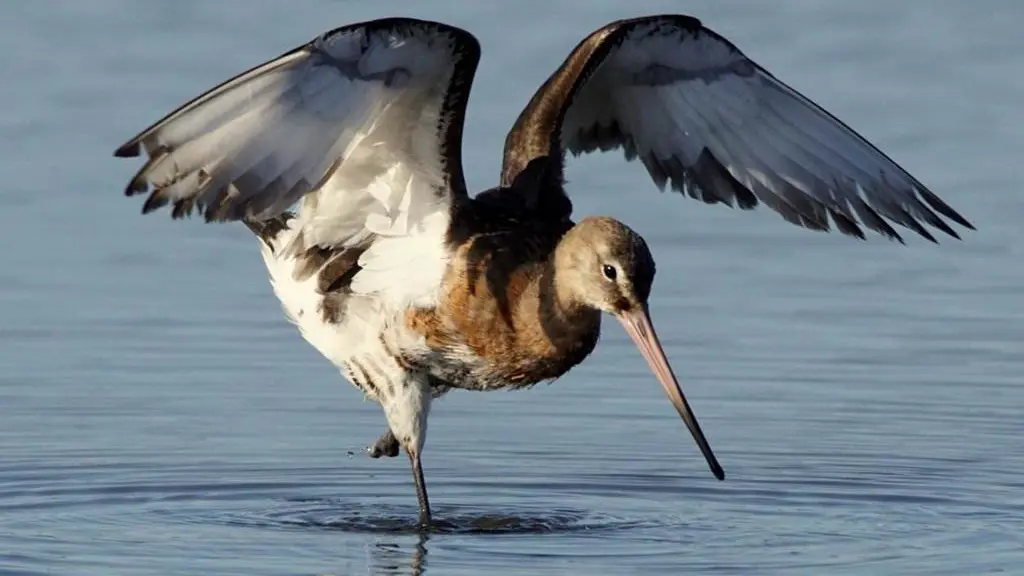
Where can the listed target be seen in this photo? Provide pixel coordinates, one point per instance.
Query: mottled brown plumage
(506, 306)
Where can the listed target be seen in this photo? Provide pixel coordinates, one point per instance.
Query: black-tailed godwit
(411, 286)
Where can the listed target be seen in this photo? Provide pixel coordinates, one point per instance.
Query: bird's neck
(570, 322)
(563, 298)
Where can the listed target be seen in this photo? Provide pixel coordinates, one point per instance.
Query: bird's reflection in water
(394, 559)
(401, 546)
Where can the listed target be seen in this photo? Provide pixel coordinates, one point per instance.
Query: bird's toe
(386, 445)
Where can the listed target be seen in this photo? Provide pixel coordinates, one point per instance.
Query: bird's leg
(421, 490)
(406, 406)
(386, 445)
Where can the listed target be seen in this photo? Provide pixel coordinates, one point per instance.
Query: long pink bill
(638, 324)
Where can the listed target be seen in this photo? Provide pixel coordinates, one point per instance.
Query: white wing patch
(354, 124)
(357, 100)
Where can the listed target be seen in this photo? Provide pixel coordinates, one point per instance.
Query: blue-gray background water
(159, 416)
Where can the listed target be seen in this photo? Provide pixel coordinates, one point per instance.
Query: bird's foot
(386, 445)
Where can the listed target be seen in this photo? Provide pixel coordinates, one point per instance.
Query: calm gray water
(158, 415)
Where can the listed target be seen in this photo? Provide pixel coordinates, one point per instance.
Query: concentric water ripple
(347, 516)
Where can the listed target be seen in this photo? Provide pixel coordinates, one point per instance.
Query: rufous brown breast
(499, 307)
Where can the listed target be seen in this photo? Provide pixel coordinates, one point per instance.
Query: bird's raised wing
(333, 115)
(711, 123)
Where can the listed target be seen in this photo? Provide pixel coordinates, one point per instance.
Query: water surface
(158, 415)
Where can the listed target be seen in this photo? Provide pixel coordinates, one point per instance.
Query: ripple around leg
(341, 515)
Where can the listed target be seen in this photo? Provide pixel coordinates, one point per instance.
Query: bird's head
(606, 265)
(603, 264)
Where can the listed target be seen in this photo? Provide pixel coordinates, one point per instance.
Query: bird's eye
(609, 271)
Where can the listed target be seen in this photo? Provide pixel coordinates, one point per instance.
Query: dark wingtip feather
(182, 208)
(941, 207)
(946, 229)
(846, 225)
(813, 223)
(139, 182)
(137, 185)
(129, 150)
(872, 220)
(155, 201)
(717, 182)
(932, 219)
(223, 211)
(907, 220)
(745, 199)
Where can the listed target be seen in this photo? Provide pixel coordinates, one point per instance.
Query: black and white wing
(363, 97)
(363, 125)
(711, 123)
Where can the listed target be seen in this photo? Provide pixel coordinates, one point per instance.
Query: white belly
(365, 337)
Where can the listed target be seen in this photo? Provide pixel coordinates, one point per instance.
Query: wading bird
(412, 287)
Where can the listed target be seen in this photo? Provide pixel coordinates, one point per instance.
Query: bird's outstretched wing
(363, 124)
(711, 123)
(361, 97)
